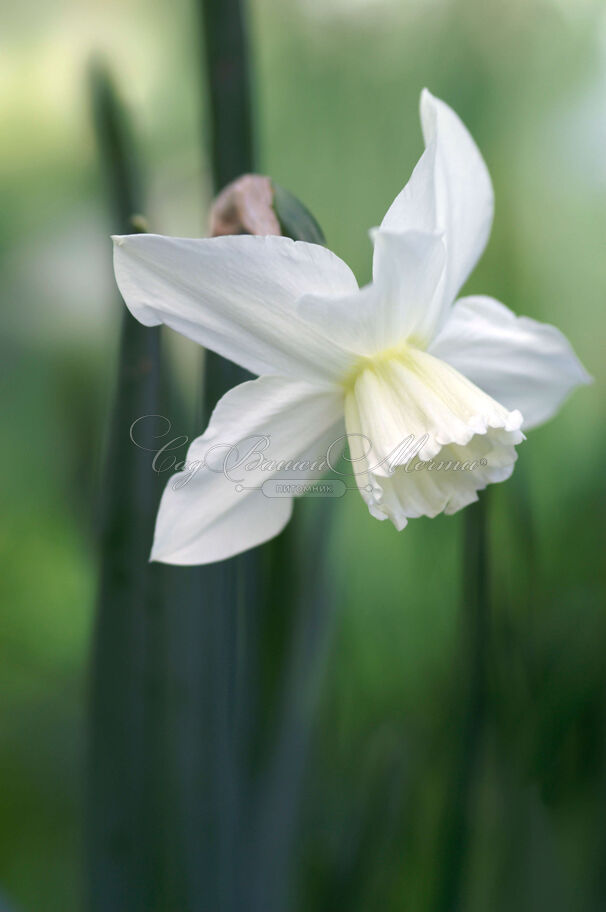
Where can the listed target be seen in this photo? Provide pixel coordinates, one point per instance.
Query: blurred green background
(336, 103)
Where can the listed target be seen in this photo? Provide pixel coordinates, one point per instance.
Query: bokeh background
(336, 88)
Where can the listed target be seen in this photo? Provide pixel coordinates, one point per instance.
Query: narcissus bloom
(398, 360)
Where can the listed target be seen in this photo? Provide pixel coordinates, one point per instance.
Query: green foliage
(336, 91)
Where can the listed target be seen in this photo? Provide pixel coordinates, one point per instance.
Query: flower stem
(226, 74)
(230, 132)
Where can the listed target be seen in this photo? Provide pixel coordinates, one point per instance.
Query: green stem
(229, 126)
(226, 75)
(457, 824)
(231, 590)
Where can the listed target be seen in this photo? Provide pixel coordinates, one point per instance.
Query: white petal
(445, 484)
(396, 305)
(237, 296)
(449, 191)
(215, 508)
(522, 363)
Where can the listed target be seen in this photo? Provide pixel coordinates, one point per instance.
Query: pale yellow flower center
(405, 391)
(402, 353)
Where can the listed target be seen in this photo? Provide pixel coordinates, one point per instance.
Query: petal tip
(515, 420)
(160, 553)
(585, 378)
(154, 557)
(427, 107)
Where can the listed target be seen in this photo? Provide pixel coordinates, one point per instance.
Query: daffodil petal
(237, 296)
(523, 364)
(393, 308)
(216, 507)
(449, 191)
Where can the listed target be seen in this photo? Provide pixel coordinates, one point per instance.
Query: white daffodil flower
(393, 362)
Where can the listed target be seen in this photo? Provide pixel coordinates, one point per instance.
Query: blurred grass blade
(230, 132)
(460, 804)
(121, 871)
(226, 75)
(116, 151)
(310, 615)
